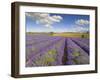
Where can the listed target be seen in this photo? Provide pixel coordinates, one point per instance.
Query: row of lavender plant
(83, 40)
(32, 49)
(33, 39)
(75, 54)
(82, 44)
(49, 55)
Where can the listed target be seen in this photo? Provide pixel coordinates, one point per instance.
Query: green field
(64, 34)
(70, 34)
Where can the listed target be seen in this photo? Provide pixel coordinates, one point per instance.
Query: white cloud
(45, 18)
(80, 29)
(82, 22)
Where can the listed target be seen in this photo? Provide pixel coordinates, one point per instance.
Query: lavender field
(47, 50)
(55, 39)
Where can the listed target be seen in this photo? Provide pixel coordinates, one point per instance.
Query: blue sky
(49, 22)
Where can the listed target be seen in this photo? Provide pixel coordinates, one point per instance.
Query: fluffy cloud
(78, 29)
(45, 18)
(82, 29)
(82, 22)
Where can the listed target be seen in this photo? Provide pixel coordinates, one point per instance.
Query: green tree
(51, 33)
